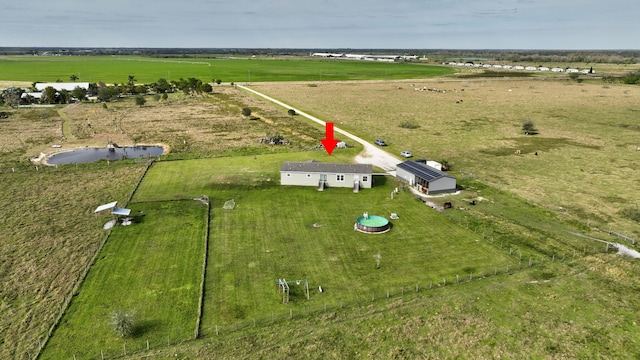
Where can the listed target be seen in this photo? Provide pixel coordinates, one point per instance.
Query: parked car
(380, 142)
(406, 154)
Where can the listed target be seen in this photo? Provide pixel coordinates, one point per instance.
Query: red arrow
(329, 142)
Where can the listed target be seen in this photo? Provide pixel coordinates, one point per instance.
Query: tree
(73, 78)
(206, 87)
(218, 81)
(12, 96)
(161, 86)
(79, 93)
(140, 100)
(106, 93)
(49, 95)
(529, 128)
(291, 112)
(246, 111)
(63, 96)
(122, 322)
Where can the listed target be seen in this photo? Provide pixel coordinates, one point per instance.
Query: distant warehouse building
(425, 178)
(313, 173)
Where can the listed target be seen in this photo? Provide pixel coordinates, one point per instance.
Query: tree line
(15, 96)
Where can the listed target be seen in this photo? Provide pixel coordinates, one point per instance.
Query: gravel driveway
(371, 153)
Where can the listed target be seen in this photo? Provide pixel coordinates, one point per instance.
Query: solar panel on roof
(423, 171)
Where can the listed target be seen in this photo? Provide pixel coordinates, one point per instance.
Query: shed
(427, 179)
(314, 173)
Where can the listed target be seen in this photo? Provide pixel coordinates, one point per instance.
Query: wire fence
(300, 309)
(42, 341)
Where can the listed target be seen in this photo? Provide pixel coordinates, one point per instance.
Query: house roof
(320, 167)
(423, 171)
(62, 86)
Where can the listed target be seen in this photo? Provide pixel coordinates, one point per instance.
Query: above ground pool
(87, 155)
(372, 224)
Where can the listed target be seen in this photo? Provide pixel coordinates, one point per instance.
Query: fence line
(623, 237)
(204, 273)
(404, 292)
(81, 278)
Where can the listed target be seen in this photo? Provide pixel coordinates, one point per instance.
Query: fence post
(290, 313)
(471, 276)
(217, 329)
(457, 280)
(147, 344)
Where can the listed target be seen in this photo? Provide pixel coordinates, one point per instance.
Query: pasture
(116, 69)
(581, 166)
(575, 301)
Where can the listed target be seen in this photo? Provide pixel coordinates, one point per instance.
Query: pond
(87, 155)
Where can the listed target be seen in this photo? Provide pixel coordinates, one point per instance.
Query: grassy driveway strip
(152, 269)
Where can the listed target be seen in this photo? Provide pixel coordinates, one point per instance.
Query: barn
(425, 178)
(321, 175)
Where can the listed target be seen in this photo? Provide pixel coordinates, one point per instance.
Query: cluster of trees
(14, 96)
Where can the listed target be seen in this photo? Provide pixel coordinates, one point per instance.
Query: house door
(323, 178)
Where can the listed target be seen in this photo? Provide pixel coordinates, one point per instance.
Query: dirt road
(371, 153)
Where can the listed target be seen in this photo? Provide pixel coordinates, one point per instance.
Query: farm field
(116, 69)
(575, 301)
(152, 269)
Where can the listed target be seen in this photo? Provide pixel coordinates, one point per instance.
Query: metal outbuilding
(425, 178)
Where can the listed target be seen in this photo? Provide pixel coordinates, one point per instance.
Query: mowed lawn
(299, 233)
(153, 269)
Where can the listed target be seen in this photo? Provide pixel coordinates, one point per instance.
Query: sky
(323, 24)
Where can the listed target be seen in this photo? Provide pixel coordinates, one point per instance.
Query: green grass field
(270, 235)
(565, 297)
(152, 268)
(116, 69)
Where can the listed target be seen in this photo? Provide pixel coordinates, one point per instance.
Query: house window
(365, 178)
(288, 174)
(339, 177)
(308, 175)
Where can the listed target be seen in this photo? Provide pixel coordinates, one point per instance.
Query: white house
(427, 179)
(321, 175)
(557, 69)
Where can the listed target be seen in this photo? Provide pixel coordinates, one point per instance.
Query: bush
(409, 125)
(529, 128)
(122, 322)
(246, 111)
